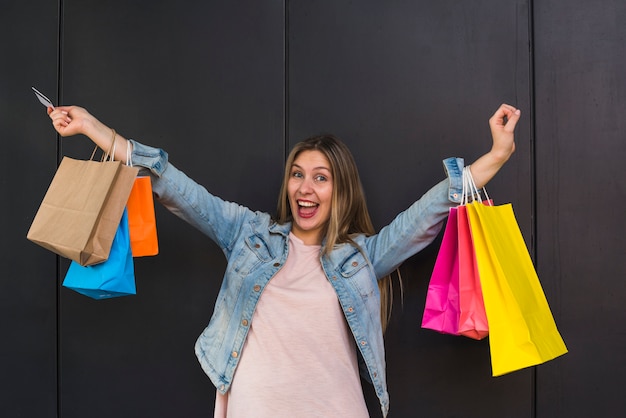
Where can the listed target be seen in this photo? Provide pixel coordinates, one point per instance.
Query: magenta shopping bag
(441, 312)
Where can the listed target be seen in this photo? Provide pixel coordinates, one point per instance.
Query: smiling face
(310, 190)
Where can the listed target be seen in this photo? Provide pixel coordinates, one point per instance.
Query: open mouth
(306, 208)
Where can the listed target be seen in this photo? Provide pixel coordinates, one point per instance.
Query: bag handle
(110, 154)
(467, 176)
(93, 154)
(129, 157)
(467, 190)
(464, 189)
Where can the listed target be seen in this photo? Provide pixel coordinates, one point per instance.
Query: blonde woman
(299, 315)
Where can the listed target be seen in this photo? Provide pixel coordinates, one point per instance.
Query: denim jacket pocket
(352, 264)
(255, 253)
(354, 269)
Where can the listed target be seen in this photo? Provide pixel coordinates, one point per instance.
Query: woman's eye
(296, 174)
(320, 178)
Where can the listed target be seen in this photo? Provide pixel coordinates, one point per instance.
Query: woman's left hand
(502, 125)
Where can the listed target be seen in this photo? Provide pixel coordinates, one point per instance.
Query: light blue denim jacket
(256, 248)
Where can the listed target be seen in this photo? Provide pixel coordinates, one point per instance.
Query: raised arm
(502, 125)
(73, 120)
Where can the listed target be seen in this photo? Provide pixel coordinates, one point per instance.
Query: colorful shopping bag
(112, 278)
(141, 219)
(441, 312)
(472, 316)
(522, 331)
(81, 210)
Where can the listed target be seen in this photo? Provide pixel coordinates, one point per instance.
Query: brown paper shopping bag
(82, 209)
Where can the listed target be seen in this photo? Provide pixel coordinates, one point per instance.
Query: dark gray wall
(227, 88)
(580, 63)
(28, 276)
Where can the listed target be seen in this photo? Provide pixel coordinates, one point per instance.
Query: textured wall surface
(226, 88)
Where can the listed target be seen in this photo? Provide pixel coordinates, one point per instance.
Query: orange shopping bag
(141, 217)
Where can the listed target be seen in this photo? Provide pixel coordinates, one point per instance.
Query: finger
(502, 115)
(498, 118)
(512, 120)
(58, 114)
(59, 123)
(508, 107)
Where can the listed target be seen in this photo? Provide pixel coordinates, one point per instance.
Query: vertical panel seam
(533, 164)
(286, 81)
(59, 154)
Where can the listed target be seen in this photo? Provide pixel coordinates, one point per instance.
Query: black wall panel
(227, 88)
(407, 84)
(581, 99)
(28, 286)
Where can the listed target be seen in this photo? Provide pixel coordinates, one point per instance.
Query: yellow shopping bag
(522, 331)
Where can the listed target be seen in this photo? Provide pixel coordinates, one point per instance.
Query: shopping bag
(82, 208)
(472, 316)
(522, 331)
(112, 278)
(141, 219)
(441, 312)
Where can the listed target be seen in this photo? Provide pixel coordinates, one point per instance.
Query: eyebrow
(314, 168)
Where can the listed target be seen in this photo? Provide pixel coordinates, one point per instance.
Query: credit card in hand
(42, 98)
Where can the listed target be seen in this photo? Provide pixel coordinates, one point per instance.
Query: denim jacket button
(235, 354)
(257, 288)
(363, 343)
(354, 264)
(276, 264)
(350, 309)
(257, 245)
(244, 322)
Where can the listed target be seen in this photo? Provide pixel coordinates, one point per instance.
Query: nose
(306, 186)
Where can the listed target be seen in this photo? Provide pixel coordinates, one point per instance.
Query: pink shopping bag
(441, 312)
(472, 316)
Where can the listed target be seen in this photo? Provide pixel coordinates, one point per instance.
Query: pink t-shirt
(299, 359)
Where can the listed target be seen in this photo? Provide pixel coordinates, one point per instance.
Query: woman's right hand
(70, 120)
(73, 120)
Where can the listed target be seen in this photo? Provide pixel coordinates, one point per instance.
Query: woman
(299, 309)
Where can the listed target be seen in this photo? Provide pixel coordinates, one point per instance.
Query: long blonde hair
(348, 214)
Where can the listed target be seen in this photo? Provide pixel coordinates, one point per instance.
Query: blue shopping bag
(112, 278)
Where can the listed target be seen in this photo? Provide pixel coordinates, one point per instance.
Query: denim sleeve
(218, 219)
(454, 170)
(416, 227)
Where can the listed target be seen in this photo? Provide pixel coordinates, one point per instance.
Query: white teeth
(307, 204)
